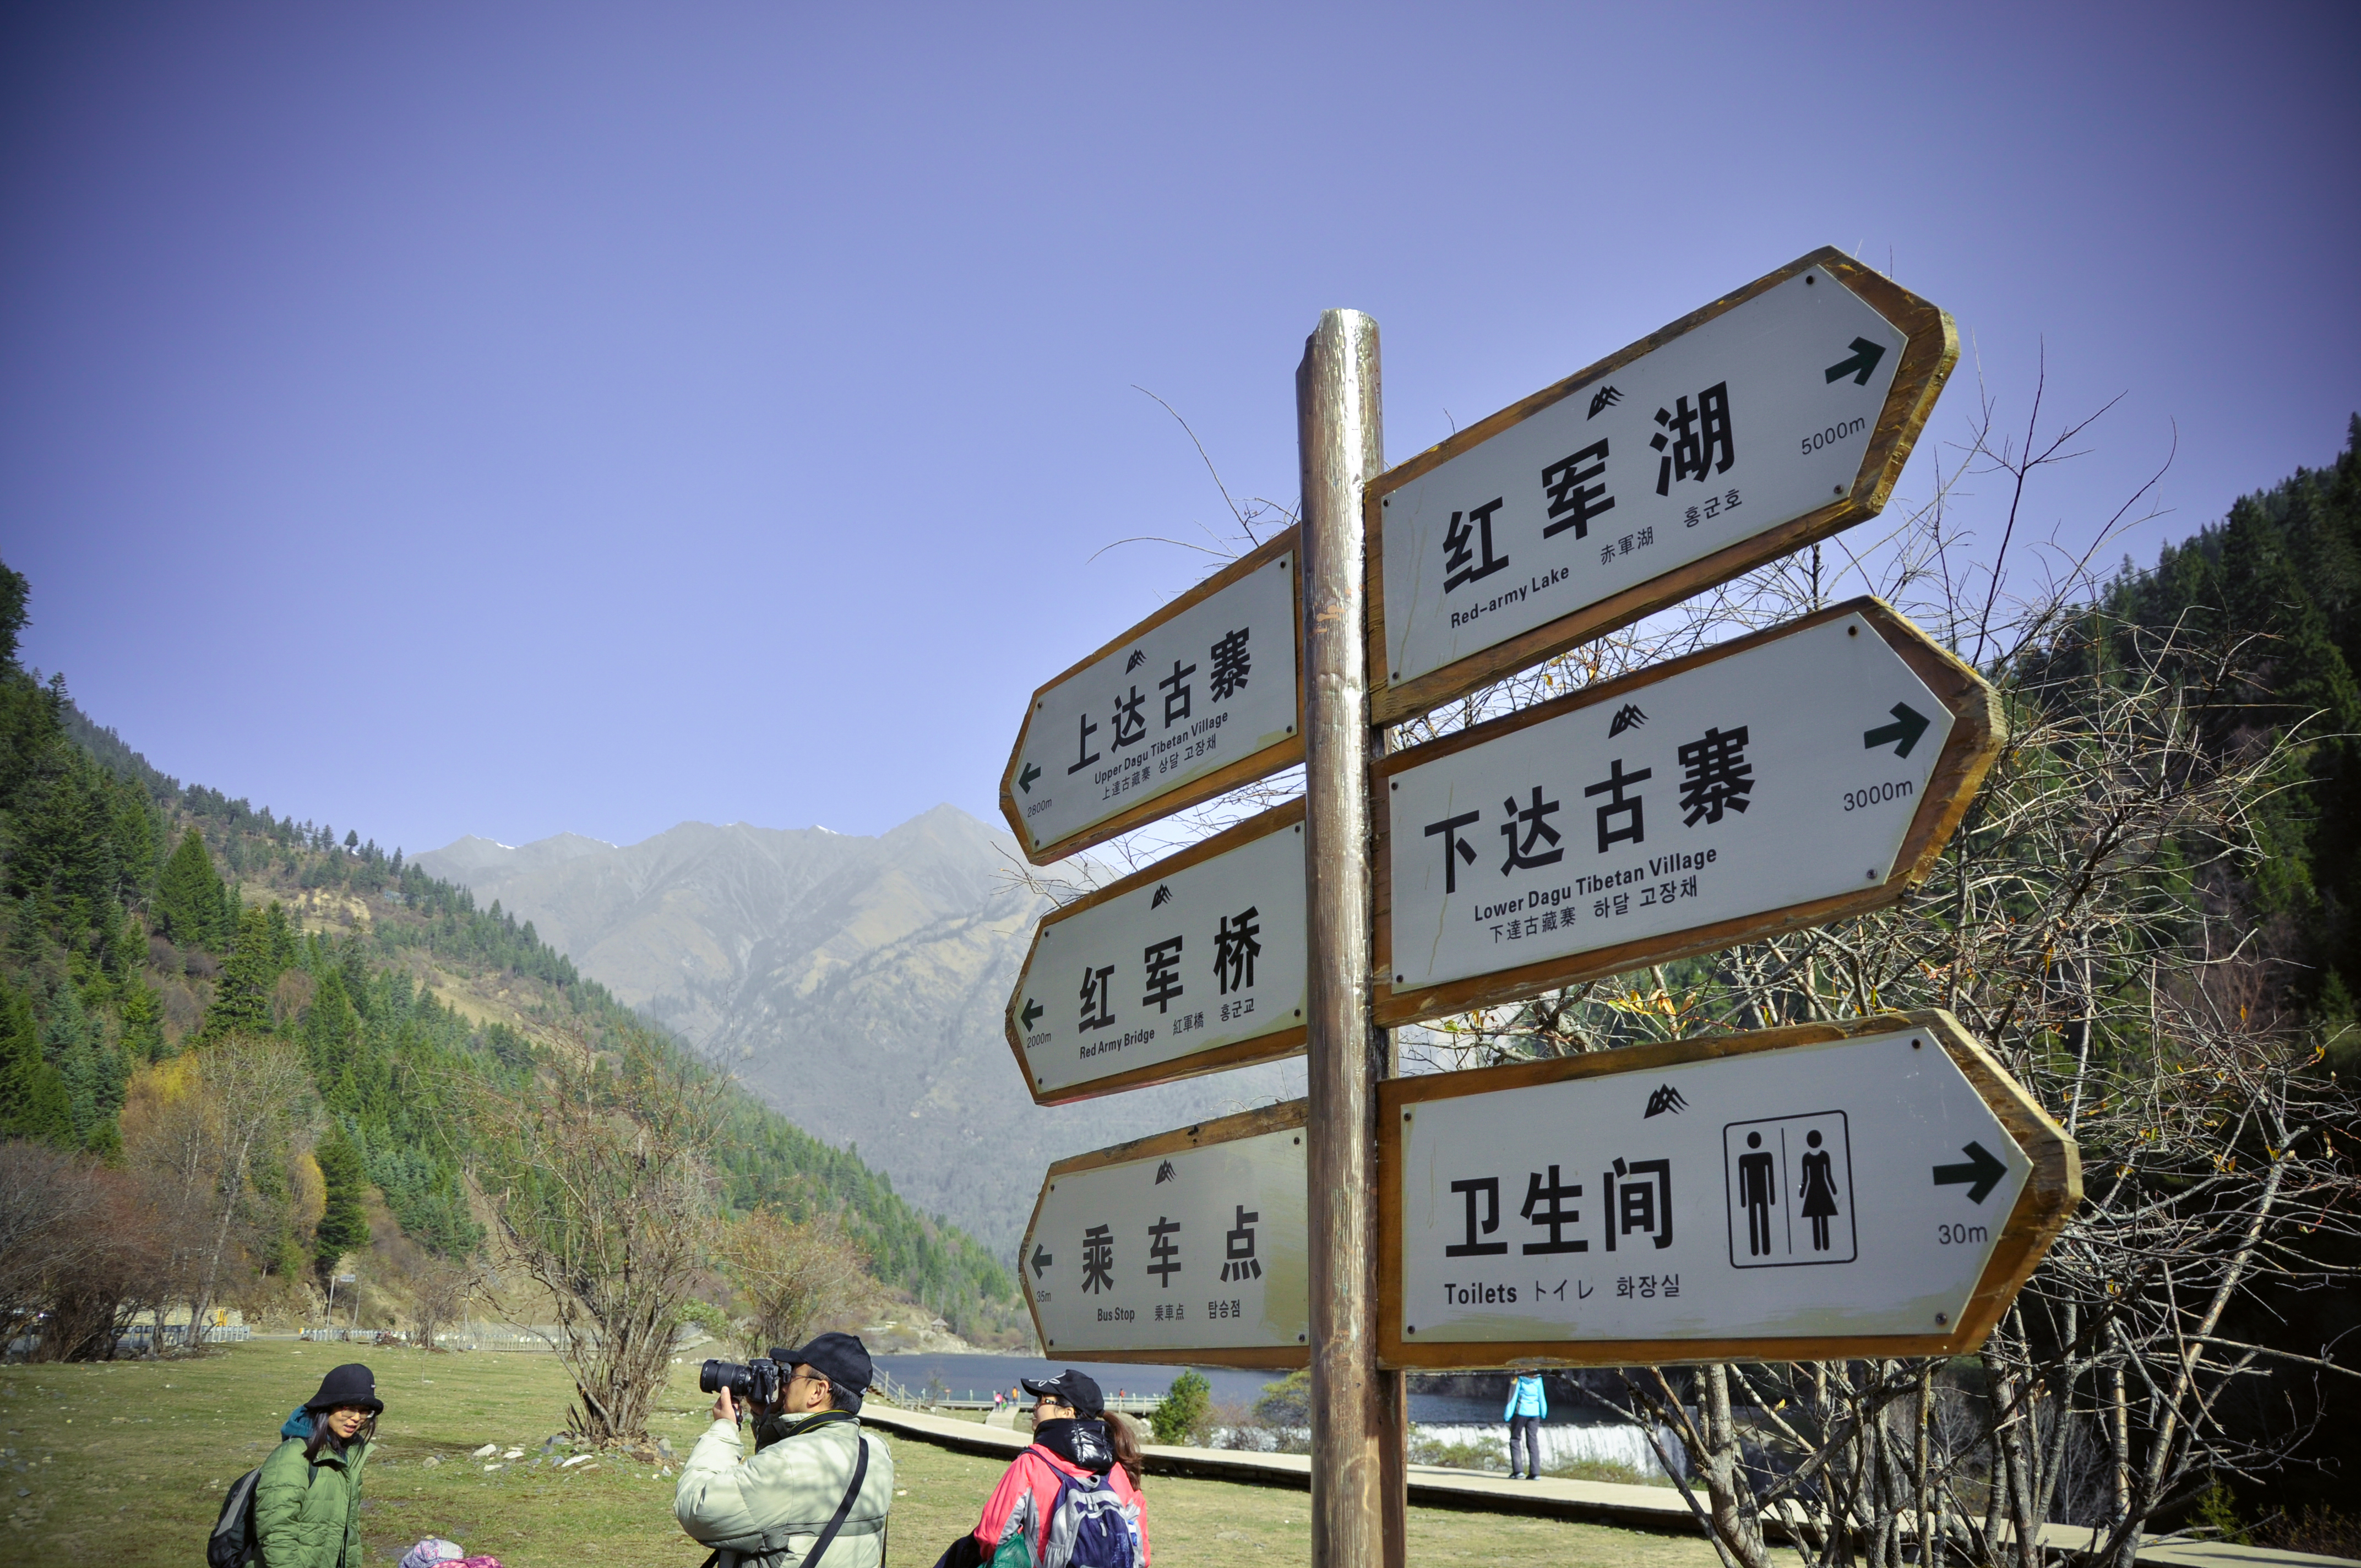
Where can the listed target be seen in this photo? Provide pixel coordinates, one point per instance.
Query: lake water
(975, 1376)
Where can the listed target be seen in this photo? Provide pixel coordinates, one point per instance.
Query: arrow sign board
(1186, 1246)
(1772, 1196)
(1783, 780)
(1191, 966)
(1767, 420)
(1200, 698)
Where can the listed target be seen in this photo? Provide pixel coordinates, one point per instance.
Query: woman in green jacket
(307, 1504)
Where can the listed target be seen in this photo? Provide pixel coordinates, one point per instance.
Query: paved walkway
(1431, 1485)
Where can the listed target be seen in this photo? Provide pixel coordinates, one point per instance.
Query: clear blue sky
(526, 418)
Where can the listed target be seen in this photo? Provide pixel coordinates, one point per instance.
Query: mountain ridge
(855, 983)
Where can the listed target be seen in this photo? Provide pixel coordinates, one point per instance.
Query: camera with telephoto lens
(753, 1383)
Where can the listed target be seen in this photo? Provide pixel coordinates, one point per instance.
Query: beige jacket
(768, 1511)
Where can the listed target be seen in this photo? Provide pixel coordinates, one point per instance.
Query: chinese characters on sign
(1704, 1222)
(1729, 429)
(1172, 964)
(1198, 1246)
(1743, 784)
(1208, 687)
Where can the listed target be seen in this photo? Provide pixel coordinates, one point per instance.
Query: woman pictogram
(1819, 1191)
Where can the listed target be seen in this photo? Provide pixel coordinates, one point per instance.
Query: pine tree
(330, 1030)
(20, 1062)
(344, 1225)
(242, 999)
(188, 896)
(143, 1022)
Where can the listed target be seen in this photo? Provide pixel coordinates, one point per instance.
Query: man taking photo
(817, 1491)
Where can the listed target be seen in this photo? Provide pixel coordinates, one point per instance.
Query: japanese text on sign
(1791, 1192)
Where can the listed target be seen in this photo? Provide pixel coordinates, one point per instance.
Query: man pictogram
(1757, 1189)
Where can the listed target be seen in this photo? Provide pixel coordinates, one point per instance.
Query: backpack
(1090, 1527)
(233, 1543)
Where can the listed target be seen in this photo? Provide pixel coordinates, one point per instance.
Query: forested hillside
(144, 919)
(2279, 580)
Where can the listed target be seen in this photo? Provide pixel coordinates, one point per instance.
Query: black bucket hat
(351, 1383)
(1069, 1388)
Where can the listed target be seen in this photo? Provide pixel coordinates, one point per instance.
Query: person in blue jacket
(1528, 1404)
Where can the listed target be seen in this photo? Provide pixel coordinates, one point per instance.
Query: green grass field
(125, 1464)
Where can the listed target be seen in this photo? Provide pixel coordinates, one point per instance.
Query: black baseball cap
(843, 1359)
(1069, 1388)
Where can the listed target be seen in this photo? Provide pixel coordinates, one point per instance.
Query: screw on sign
(1796, 1205)
(1787, 779)
(1774, 416)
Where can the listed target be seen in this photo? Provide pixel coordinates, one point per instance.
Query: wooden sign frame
(2047, 1202)
(1293, 1114)
(1275, 1046)
(1932, 349)
(1285, 754)
(1977, 731)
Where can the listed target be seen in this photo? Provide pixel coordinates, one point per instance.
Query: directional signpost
(1787, 779)
(1199, 699)
(1194, 965)
(1875, 1187)
(1767, 420)
(1190, 1243)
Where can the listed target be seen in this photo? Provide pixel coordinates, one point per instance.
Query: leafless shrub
(795, 1276)
(603, 1184)
(2084, 923)
(78, 1252)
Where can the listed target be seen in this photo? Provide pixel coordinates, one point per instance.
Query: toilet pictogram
(1791, 1191)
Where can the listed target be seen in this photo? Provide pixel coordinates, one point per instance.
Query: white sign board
(1766, 412)
(1784, 773)
(1198, 698)
(1171, 971)
(1850, 1188)
(1195, 1246)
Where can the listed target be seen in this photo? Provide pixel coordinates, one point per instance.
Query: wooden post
(1356, 1469)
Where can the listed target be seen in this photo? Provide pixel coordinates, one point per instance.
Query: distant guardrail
(135, 1339)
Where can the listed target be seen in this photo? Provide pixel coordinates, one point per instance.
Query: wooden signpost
(1784, 780)
(1874, 1187)
(1200, 698)
(1878, 1187)
(1772, 417)
(1191, 966)
(1189, 1245)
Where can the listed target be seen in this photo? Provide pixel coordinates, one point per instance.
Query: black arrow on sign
(1865, 355)
(1024, 780)
(1032, 1010)
(1979, 1174)
(1902, 734)
(1041, 1260)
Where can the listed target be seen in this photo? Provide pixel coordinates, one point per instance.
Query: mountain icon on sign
(1164, 1173)
(1627, 717)
(1137, 658)
(1665, 1098)
(1605, 399)
(1163, 897)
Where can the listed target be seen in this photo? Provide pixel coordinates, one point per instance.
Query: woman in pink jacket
(1073, 1439)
